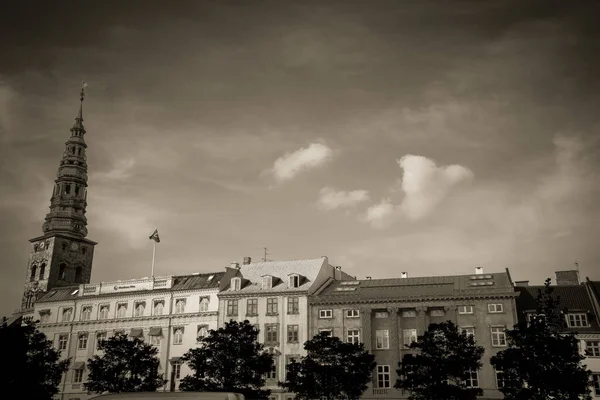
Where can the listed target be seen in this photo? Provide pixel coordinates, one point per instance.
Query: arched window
(42, 271)
(33, 272)
(62, 271)
(78, 274)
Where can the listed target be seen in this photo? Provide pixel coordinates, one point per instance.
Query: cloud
(291, 164)
(6, 95)
(120, 171)
(329, 199)
(424, 185)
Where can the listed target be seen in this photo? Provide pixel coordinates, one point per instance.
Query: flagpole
(153, 256)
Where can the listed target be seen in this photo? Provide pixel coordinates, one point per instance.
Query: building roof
(412, 289)
(253, 273)
(573, 298)
(180, 283)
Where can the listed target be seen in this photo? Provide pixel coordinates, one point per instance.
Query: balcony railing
(381, 391)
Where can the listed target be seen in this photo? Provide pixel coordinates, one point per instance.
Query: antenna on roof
(265, 256)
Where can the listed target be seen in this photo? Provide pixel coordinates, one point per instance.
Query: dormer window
(294, 281)
(267, 282)
(236, 283)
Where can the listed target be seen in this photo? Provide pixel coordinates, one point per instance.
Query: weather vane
(82, 93)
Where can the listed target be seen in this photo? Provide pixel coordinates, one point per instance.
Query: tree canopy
(542, 360)
(229, 359)
(31, 364)
(441, 367)
(125, 365)
(331, 369)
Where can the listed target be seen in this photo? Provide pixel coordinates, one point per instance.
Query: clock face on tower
(74, 246)
(42, 245)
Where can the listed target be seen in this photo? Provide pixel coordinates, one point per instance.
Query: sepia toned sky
(428, 137)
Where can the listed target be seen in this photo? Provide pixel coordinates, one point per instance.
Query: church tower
(62, 256)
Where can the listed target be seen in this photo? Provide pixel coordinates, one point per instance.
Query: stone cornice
(130, 319)
(237, 294)
(395, 300)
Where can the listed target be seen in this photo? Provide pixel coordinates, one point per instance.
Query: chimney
(337, 273)
(368, 278)
(247, 260)
(521, 283)
(234, 265)
(403, 275)
(478, 270)
(565, 278)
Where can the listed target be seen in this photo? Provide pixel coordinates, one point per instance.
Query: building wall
(190, 320)
(399, 318)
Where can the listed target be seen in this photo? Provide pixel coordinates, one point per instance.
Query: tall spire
(68, 202)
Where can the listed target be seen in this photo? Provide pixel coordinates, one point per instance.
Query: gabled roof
(252, 274)
(180, 283)
(574, 298)
(400, 289)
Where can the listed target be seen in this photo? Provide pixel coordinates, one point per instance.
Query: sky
(425, 137)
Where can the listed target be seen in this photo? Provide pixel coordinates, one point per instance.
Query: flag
(154, 236)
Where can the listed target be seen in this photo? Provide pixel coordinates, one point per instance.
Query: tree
(331, 369)
(126, 365)
(542, 361)
(441, 368)
(229, 359)
(31, 363)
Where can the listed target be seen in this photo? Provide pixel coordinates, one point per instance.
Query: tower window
(42, 271)
(76, 190)
(83, 250)
(62, 271)
(79, 151)
(72, 150)
(33, 272)
(64, 247)
(67, 189)
(78, 274)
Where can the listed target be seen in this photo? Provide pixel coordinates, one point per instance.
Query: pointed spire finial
(79, 118)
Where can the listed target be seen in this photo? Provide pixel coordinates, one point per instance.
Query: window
(67, 189)
(179, 306)
(202, 332)
(498, 336)
(104, 312)
(577, 320)
(267, 282)
(82, 341)
(62, 269)
(381, 314)
(236, 283)
(272, 306)
(122, 310)
(62, 342)
(139, 309)
(465, 309)
(44, 317)
(329, 331)
(177, 370)
(469, 330)
(292, 333)
(78, 375)
(159, 305)
(86, 313)
(232, 307)
(271, 333)
(204, 302)
(382, 339)
(472, 379)
(383, 376)
(410, 336)
(78, 274)
(353, 336)
(325, 313)
(437, 312)
(352, 314)
(33, 272)
(155, 334)
(100, 336)
(252, 307)
(596, 383)
(177, 335)
(409, 314)
(499, 379)
(66, 314)
(495, 308)
(42, 271)
(592, 348)
(294, 281)
(293, 305)
(272, 374)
